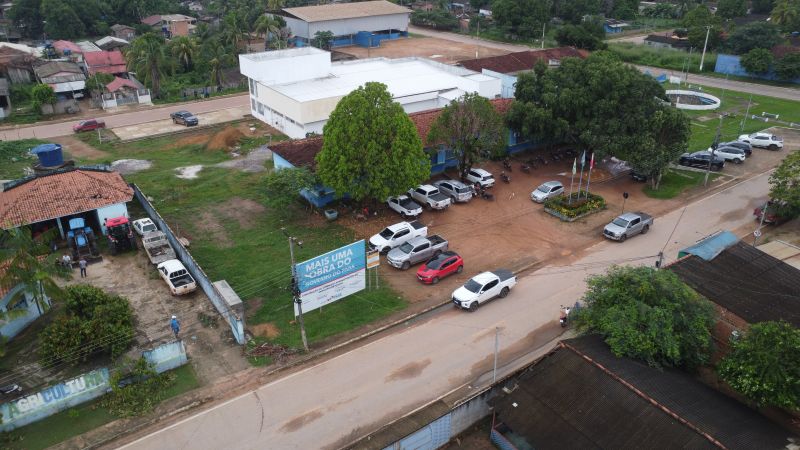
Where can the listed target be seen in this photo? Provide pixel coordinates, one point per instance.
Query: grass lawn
(236, 237)
(82, 418)
(15, 156)
(661, 57)
(676, 181)
(704, 123)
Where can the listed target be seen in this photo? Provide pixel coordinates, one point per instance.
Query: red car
(88, 125)
(438, 267)
(772, 215)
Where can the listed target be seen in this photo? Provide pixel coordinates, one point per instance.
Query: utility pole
(757, 233)
(713, 150)
(703, 58)
(747, 113)
(544, 25)
(496, 347)
(295, 288)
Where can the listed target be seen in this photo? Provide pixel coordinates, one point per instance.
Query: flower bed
(580, 206)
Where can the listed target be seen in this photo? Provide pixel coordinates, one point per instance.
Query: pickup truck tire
(503, 292)
(435, 280)
(737, 161)
(772, 147)
(405, 266)
(473, 306)
(385, 250)
(623, 237)
(645, 229)
(452, 199)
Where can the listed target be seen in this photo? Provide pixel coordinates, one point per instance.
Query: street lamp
(702, 58)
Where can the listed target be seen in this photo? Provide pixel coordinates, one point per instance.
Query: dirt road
(329, 404)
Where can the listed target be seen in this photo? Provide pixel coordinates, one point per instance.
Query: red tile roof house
(112, 63)
(49, 201)
(69, 49)
(302, 152)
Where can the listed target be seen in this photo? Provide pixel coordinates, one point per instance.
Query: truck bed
(417, 225)
(436, 240)
(503, 274)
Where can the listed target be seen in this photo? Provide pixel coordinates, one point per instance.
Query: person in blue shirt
(175, 325)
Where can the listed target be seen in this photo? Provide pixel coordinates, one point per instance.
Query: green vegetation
(15, 157)
(578, 204)
(757, 61)
(80, 419)
(648, 314)
(785, 186)
(734, 106)
(763, 365)
(675, 181)
(662, 57)
(93, 321)
(235, 235)
(136, 389)
(372, 149)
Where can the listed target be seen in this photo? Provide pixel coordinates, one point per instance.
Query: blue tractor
(81, 240)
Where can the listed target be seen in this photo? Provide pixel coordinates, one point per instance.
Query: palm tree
(274, 5)
(183, 48)
(267, 26)
(233, 31)
(218, 58)
(28, 263)
(786, 12)
(148, 58)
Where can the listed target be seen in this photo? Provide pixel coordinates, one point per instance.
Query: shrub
(578, 206)
(93, 321)
(136, 390)
(757, 61)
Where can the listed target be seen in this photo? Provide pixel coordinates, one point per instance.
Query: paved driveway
(165, 126)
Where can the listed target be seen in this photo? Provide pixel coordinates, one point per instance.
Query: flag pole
(580, 180)
(572, 180)
(589, 181)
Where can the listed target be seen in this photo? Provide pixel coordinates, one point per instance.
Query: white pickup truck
(176, 276)
(429, 195)
(397, 235)
(157, 247)
(483, 287)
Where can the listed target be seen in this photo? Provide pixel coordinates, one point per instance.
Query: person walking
(82, 265)
(175, 325)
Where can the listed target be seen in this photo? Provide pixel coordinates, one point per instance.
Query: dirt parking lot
(444, 51)
(209, 343)
(513, 232)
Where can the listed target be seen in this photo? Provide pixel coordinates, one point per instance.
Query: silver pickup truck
(416, 250)
(627, 225)
(157, 247)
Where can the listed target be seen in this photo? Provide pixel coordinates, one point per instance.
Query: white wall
(285, 66)
(109, 212)
(352, 26)
(298, 27)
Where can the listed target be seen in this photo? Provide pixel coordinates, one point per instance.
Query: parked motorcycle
(525, 168)
(506, 178)
(507, 165)
(564, 316)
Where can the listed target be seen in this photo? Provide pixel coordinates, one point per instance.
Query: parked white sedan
(764, 140)
(143, 226)
(547, 190)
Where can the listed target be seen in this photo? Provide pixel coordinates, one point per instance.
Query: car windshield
(149, 227)
(434, 263)
(620, 222)
(406, 248)
(473, 286)
(463, 190)
(386, 233)
(543, 188)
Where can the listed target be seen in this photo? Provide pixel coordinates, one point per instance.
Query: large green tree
(584, 35)
(667, 131)
(267, 26)
(283, 186)
(788, 67)
(762, 6)
(754, 35)
(147, 56)
(648, 314)
(472, 127)
(757, 61)
(372, 149)
(573, 11)
(785, 186)
(696, 21)
(184, 49)
(728, 9)
(61, 20)
(598, 104)
(522, 18)
(764, 365)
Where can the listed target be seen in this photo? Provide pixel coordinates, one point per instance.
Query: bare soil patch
(209, 223)
(225, 139)
(242, 210)
(267, 330)
(440, 50)
(79, 149)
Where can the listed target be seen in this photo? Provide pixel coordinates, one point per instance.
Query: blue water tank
(50, 155)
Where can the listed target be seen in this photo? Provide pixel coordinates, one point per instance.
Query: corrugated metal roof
(746, 281)
(340, 11)
(582, 396)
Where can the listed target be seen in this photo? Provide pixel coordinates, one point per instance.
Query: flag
(583, 159)
(591, 163)
(574, 166)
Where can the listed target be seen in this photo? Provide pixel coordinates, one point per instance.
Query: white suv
(484, 178)
(736, 155)
(764, 140)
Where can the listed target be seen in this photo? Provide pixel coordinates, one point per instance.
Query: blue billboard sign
(331, 276)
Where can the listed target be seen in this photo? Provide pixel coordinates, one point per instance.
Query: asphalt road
(327, 405)
(750, 88)
(49, 130)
